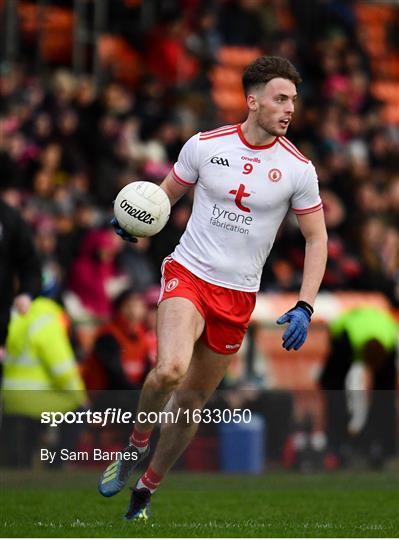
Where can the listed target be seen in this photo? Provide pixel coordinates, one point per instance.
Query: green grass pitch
(66, 503)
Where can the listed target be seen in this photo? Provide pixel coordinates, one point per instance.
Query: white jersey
(242, 194)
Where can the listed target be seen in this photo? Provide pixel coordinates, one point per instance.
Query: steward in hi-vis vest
(361, 414)
(40, 372)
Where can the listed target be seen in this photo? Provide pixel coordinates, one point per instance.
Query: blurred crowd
(69, 143)
(67, 146)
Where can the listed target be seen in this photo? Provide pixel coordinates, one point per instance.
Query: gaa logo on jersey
(220, 161)
(171, 284)
(274, 175)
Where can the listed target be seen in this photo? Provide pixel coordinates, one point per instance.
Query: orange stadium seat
(293, 371)
(386, 90)
(373, 14)
(297, 372)
(118, 56)
(227, 99)
(387, 68)
(237, 57)
(373, 21)
(53, 24)
(226, 81)
(391, 113)
(225, 76)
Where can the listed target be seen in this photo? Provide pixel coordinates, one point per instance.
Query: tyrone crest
(274, 175)
(171, 284)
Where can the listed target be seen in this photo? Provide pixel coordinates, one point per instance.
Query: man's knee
(168, 376)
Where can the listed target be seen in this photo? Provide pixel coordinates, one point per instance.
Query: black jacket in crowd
(20, 270)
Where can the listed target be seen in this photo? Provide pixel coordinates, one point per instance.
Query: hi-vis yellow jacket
(364, 323)
(40, 372)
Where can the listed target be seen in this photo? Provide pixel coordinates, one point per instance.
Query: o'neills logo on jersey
(235, 346)
(253, 159)
(274, 175)
(141, 215)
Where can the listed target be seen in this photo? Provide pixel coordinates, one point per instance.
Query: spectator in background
(17, 158)
(364, 337)
(121, 355)
(135, 262)
(42, 201)
(281, 275)
(108, 165)
(20, 272)
(51, 270)
(72, 230)
(68, 137)
(165, 241)
(40, 374)
(205, 40)
(246, 23)
(41, 129)
(378, 248)
(167, 57)
(94, 279)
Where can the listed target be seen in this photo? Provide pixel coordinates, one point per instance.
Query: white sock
(141, 485)
(142, 449)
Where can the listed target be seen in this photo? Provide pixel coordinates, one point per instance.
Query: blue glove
(299, 319)
(121, 232)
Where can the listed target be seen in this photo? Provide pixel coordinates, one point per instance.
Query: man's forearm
(314, 268)
(173, 189)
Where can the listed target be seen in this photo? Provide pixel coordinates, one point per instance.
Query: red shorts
(226, 311)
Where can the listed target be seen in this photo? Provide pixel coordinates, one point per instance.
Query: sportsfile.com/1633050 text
(118, 416)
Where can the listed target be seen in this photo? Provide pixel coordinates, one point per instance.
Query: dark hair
(265, 68)
(374, 354)
(121, 298)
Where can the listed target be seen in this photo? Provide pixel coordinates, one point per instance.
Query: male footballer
(246, 177)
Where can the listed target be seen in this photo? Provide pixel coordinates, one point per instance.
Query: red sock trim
(140, 439)
(151, 479)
